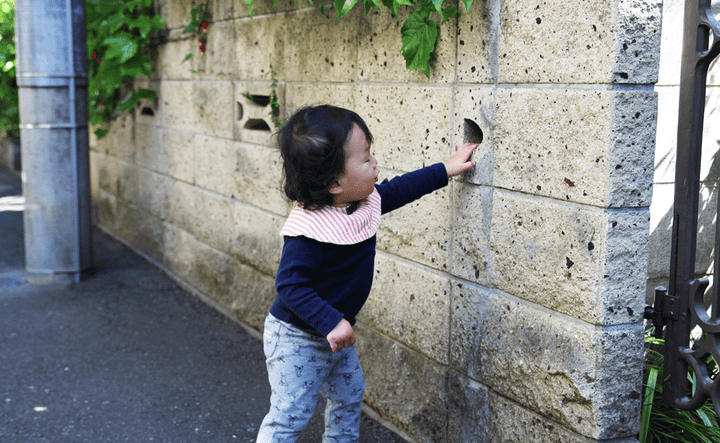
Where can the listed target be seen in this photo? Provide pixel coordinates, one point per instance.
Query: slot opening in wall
(260, 100)
(257, 124)
(147, 111)
(240, 111)
(472, 132)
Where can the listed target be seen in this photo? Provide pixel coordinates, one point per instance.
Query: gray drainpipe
(52, 80)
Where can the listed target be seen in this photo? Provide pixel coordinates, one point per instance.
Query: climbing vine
(120, 38)
(199, 22)
(9, 110)
(419, 31)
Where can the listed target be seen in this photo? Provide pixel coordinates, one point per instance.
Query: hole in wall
(472, 132)
(257, 124)
(260, 100)
(147, 111)
(240, 111)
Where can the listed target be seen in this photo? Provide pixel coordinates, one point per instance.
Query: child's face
(358, 180)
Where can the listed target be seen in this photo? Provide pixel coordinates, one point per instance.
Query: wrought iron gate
(681, 306)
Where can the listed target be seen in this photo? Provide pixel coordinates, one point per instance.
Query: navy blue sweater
(319, 283)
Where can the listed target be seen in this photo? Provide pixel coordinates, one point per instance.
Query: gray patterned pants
(301, 365)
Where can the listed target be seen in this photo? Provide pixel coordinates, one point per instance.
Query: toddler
(326, 267)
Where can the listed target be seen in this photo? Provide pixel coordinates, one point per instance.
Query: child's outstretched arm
(460, 159)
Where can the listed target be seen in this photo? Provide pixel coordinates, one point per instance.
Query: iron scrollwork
(682, 306)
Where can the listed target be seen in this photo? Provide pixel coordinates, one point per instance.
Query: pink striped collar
(333, 225)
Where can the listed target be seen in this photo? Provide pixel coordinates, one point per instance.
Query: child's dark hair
(312, 145)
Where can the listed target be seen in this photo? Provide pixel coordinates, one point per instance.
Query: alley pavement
(124, 356)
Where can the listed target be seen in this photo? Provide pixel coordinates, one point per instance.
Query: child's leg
(296, 368)
(343, 388)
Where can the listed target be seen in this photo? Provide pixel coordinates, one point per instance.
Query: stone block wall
(507, 306)
(668, 88)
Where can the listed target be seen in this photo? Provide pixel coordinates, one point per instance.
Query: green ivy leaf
(448, 13)
(143, 23)
(419, 35)
(368, 4)
(437, 4)
(467, 4)
(343, 7)
(121, 46)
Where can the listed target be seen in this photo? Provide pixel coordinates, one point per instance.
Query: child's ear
(336, 189)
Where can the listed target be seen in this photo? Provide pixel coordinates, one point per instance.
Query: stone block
(607, 42)
(472, 212)
(141, 229)
(411, 125)
(254, 237)
(379, 49)
(476, 44)
(554, 255)
(253, 119)
(319, 49)
(419, 231)
(106, 209)
(469, 305)
(260, 45)
(298, 95)
(205, 108)
(119, 142)
(152, 147)
(511, 424)
(592, 147)
(474, 110)
(153, 189)
(175, 13)
(118, 178)
(252, 294)
(468, 410)
(411, 305)
(403, 387)
(588, 379)
(212, 272)
(220, 56)
(171, 63)
(249, 173)
(177, 154)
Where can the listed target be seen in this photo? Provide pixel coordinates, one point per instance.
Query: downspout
(52, 81)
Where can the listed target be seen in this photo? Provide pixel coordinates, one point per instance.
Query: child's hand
(342, 336)
(459, 159)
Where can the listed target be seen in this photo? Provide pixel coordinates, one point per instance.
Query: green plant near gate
(662, 424)
(9, 110)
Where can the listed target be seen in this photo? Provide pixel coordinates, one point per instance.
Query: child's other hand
(459, 159)
(342, 336)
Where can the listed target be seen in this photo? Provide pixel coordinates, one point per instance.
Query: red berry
(101, 103)
(94, 54)
(202, 48)
(205, 25)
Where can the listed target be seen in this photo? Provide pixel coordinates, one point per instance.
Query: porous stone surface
(477, 43)
(419, 231)
(468, 410)
(474, 115)
(403, 385)
(566, 371)
(603, 42)
(581, 262)
(471, 220)
(411, 305)
(590, 147)
(411, 125)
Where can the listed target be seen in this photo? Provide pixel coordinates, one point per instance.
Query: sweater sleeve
(409, 187)
(301, 258)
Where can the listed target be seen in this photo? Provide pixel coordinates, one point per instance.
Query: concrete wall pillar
(52, 78)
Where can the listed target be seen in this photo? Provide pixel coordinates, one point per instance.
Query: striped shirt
(332, 224)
